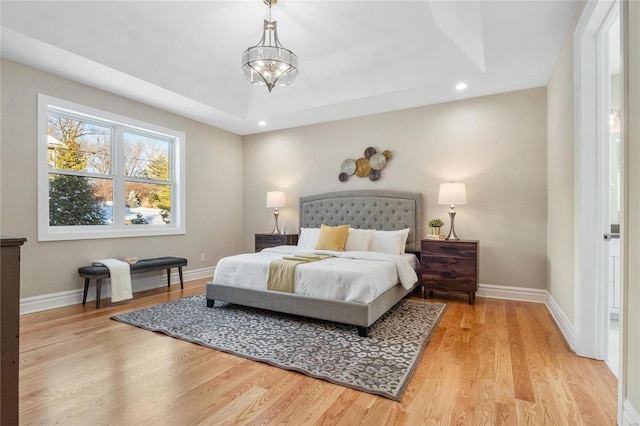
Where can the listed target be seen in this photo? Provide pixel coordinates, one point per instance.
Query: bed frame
(363, 209)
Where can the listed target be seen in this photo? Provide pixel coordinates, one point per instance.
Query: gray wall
(497, 145)
(561, 181)
(213, 178)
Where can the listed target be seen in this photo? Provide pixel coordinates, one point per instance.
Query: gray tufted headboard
(366, 209)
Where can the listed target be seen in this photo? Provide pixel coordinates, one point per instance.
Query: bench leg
(86, 290)
(169, 277)
(98, 291)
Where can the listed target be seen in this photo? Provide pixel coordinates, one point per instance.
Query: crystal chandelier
(268, 62)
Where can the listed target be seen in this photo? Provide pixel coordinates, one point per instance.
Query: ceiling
(356, 57)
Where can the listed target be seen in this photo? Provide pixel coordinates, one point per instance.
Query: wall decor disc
(374, 175)
(377, 161)
(348, 167)
(362, 167)
(342, 177)
(369, 152)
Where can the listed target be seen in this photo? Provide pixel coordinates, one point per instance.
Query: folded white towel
(120, 278)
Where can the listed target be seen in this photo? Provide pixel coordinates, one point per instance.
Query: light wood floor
(497, 362)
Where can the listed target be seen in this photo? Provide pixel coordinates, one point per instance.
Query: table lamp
(275, 199)
(452, 193)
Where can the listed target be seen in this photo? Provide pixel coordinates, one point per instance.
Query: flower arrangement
(435, 223)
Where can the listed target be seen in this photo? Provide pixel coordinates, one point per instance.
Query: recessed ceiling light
(461, 86)
(262, 123)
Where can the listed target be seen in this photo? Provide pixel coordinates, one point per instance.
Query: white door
(611, 181)
(595, 90)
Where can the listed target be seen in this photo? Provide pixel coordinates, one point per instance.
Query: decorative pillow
(308, 238)
(332, 237)
(358, 239)
(391, 242)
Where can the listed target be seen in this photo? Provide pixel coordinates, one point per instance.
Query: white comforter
(354, 276)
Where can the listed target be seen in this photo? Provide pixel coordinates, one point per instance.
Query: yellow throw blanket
(282, 271)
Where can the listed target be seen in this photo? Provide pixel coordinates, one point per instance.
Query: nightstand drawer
(447, 249)
(263, 241)
(457, 284)
(449, 267)
(271, 239)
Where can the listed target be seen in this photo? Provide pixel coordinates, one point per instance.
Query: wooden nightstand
(450, 266)
(269, 240)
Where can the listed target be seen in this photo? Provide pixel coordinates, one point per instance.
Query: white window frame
(47, 104)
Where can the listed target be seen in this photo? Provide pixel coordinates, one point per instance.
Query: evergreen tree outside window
(75, 199)
(104, 176)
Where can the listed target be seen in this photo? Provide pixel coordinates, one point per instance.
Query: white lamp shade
(452, 193)
(275, 199)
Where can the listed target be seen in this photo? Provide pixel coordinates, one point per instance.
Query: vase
(435, 230)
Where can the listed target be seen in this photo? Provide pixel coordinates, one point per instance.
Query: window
(105, 176)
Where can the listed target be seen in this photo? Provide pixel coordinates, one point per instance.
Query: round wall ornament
(362, 167)
(369, 152)
(368, 166)
(348, 167)
(377, 161)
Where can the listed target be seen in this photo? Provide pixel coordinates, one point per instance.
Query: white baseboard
(142, 282)
(630, 416)
(520, 294)
(563, 322)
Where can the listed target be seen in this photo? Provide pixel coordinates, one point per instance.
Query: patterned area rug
(380, 364)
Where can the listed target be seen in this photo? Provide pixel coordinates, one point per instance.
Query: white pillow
(404, 234)
(391, 242)
(358, 239)
(308, 238)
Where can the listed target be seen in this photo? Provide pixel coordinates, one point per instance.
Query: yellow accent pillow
(332, 237)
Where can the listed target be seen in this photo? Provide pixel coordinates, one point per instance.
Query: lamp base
(452, 232)
(275, 231)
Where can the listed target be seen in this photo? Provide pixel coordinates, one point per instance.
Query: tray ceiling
(356, 57)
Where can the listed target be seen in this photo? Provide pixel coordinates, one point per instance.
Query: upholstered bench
(145, 265)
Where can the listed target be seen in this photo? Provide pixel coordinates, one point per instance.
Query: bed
(361, 209)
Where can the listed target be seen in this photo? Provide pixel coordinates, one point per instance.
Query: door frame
(591, 299)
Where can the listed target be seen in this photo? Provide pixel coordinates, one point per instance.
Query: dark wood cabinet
(264, 241)
(450, 266)
(9, 328)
